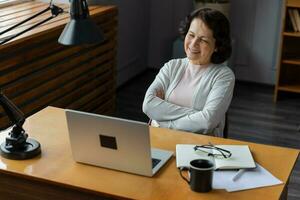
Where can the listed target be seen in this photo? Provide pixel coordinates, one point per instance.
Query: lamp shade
(81, 29)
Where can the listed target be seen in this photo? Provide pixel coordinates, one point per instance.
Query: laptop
(114, 143)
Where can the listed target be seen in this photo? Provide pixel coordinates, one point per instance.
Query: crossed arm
(211, 115)
(182, 118)
(155, 105)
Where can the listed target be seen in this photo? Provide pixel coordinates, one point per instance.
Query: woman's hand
(160, 94)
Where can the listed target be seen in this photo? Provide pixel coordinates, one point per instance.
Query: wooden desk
(55, 175)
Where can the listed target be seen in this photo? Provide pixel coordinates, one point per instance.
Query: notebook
(241, 157)
(114, 143)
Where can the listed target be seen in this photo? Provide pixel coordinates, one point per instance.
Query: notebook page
(185, 153)
(241, 157)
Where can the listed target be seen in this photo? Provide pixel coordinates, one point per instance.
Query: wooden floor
(252, 116)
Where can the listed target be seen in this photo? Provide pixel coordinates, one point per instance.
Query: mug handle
(181, 169)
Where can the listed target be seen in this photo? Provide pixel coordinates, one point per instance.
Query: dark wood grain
(36, 71)
(20, 188)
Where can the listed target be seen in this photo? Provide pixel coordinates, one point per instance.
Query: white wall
(255, 30)
(165, 17)
(133, 31)
(147, 29)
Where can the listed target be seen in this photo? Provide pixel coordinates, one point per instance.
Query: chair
(225, 131)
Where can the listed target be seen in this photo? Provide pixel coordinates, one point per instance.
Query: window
(4, 3)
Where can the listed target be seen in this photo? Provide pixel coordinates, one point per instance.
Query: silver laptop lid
(110, 142)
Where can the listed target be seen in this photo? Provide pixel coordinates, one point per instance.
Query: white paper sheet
(251, 178)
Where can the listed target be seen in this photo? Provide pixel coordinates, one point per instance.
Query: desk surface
(56, 166)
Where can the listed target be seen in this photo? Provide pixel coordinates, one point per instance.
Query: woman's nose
(194, 42)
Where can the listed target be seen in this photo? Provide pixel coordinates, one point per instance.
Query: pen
(238, 174)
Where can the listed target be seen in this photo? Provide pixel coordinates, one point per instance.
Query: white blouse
(183, 93)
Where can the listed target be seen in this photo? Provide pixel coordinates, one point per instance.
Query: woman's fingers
(160, 94)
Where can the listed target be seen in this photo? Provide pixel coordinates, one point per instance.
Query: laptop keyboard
(155, 162)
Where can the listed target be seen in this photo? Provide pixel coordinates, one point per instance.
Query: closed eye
(203, 40)
(191, 35)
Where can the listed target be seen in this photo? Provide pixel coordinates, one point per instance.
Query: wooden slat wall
(36, 71)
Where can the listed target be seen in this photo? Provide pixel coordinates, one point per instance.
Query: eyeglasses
(222, 153)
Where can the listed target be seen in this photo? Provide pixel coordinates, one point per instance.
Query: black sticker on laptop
(108, 142)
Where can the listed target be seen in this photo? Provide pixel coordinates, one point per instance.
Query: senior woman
(193, 94)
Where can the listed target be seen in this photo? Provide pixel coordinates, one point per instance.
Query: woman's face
(199, 43)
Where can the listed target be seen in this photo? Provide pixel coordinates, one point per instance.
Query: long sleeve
(217, 103)
(157, 108)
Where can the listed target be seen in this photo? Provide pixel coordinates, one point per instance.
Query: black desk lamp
(17, 146)
(80, 30)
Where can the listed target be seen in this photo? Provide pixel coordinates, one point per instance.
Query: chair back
(225, 131)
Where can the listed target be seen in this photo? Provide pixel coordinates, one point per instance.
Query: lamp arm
(25, 20)
(15, 115)
(18, 136)
(55, 10)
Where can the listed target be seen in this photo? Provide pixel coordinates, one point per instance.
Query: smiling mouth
(194, 51)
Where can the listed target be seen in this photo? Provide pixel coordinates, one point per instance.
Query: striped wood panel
(36, 71)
